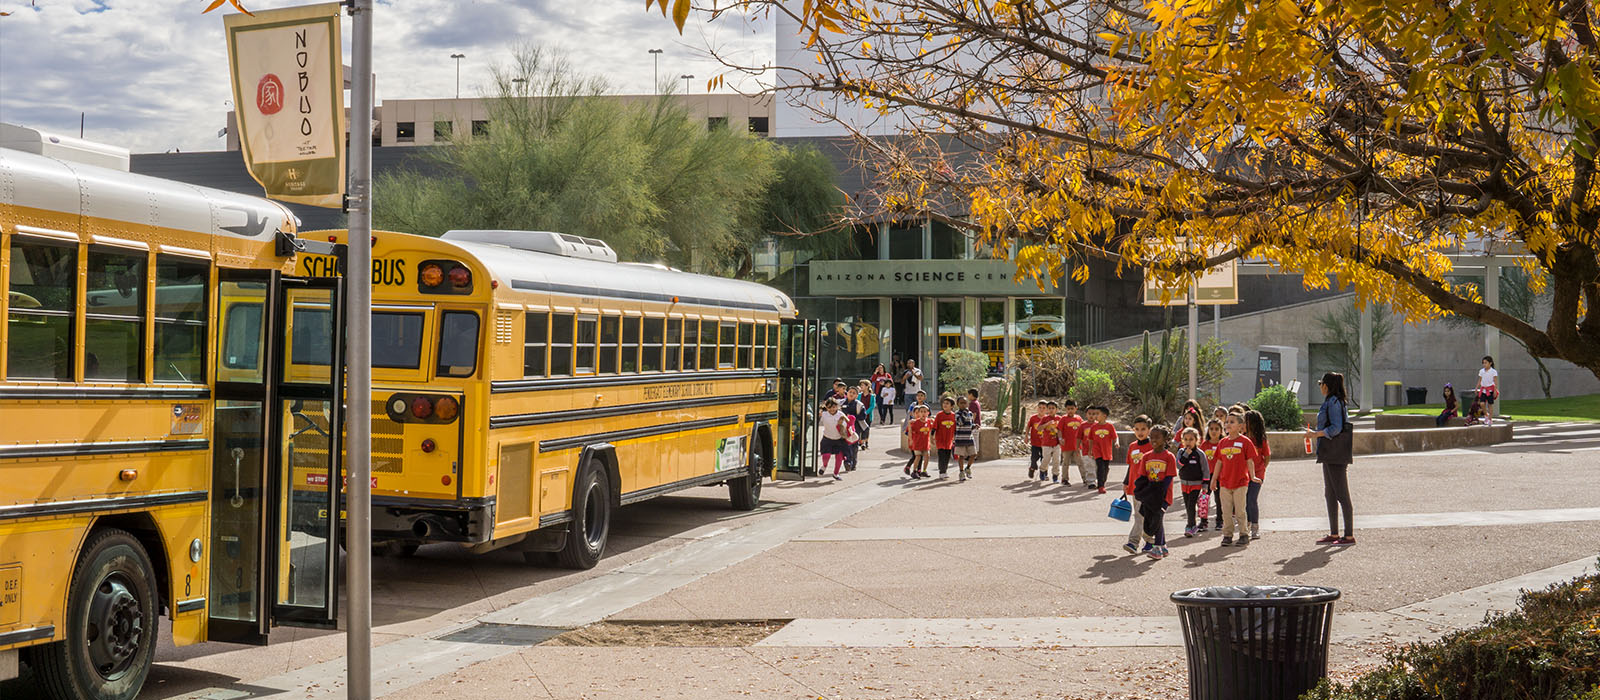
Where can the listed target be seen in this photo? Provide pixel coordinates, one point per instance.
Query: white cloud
(151, 75)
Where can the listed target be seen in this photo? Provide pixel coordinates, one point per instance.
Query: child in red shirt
(1035, 438)
(1236, 460)
(1153, 489)
(1214, 435)
(1071, 425)
(921, 429)
(1101, 438)
(944, 434)
(1137, 450)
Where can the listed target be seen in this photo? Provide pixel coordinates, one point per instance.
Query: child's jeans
(1154, 528)
(1252, 509)
(1136, 532)
(1233, 507)
(886, 412)
(1102, 469)
(944, 460)
(1035, 455)
(1075, 458)
(1052, 462)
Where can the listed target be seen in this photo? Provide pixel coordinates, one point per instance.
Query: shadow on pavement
(1309, 561)
(1111, 568)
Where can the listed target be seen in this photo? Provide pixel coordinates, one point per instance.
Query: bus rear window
(458, 344)
(396, 340)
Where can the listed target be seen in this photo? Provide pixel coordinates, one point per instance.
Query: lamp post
(656, 54)
(458, 57)
(686, 79)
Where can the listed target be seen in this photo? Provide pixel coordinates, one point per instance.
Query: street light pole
(358, 397)
(656, 54)
(458, 57)
(686, 79)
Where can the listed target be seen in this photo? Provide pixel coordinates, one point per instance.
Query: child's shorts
(966, 450)
(920, 453)
(834, 446)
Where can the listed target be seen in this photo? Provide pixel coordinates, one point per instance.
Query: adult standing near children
(912, 378)
(1488, 384)
(1334, 452)
(880, 377)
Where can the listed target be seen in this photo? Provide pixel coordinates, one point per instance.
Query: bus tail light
(446, 408)
(460, 278)
(421, 407)
(445, 480)
(427, 445)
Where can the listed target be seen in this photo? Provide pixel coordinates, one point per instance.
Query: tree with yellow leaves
(1362, 143)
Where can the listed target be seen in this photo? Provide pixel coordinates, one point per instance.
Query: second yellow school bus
(526, 384)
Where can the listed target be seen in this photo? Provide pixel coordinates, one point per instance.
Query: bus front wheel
(591, 520)
(111, 624)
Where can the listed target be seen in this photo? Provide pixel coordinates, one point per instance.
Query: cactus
(1017, 418)
(1153, 383)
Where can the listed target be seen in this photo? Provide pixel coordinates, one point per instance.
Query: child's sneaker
(1031, 471)
(1227, 541)
(1055, 479)
(1157, 553)
(1255, 531)
(907, 470)
(1131, 547)
(1188, 532)
(1102, 489)
(1148, 548)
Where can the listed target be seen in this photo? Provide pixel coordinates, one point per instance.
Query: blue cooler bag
(1121, 509)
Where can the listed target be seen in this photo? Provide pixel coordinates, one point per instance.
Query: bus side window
(630, 343)
(561, 329)
(458, 344)
(726, 345)
(746, 332)
(181, 297)
(772, 345)
(583, 346)
(241, 347)
(608, 344)
(674, 344)
(650, 348)
(43, 299)
(691, 343)
(758, 352)
(535, 342)
(708, 344)
(113, 327)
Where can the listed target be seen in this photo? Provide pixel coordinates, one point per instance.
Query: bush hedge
(1547, 649)
(1279, 408)
(1094, 388)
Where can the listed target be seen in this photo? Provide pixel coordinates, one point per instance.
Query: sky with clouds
(152, 75)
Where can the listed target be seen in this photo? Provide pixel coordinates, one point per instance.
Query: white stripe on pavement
(1102, 528)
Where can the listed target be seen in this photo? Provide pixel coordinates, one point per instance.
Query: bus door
(796, 438)
(270, 563)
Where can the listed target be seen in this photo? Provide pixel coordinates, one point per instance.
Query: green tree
(802, 207)
(963, 370)
(648, 179)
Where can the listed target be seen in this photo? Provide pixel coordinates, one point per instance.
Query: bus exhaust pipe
(424, 528)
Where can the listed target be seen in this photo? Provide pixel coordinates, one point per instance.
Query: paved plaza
(877, 587)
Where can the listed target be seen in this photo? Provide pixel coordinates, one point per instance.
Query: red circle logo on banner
(269, 94)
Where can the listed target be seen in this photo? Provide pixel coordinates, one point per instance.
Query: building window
(443, 130)
(905, 240)
(715, 123)
(948, 242)
(758, 125)
(405, 132)
(480, 127)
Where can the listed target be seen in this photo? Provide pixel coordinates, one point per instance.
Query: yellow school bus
(526, 384)
(148, 421)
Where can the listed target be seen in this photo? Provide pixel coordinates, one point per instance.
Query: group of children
(1226, 465)
(846, 422)
(951, 433)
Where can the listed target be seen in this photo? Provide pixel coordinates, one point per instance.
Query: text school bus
(526, 384)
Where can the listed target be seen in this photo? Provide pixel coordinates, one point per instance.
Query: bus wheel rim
(593, 523)
(115, 628)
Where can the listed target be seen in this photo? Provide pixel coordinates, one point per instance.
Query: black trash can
(1255, 642)
(1416, 395)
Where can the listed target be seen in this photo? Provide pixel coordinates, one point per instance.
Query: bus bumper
(466, 520)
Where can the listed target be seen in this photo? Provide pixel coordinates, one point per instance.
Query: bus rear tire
(591, 520)
(744, 493)
(111, 624)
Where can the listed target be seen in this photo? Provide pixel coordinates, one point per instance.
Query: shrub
(1549, 648)
(963, 369)
(1093, 387)
(1050, 369)
(1279, 408)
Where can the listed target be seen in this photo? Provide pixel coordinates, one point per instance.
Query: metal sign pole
(358, 448)
(1194, 343)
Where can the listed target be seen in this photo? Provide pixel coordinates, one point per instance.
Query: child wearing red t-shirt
(1236, 462)
(1050, 431)
(1071, 425)
(1255, 428)
(920, 428)
(1101, 438)
(944, 434)
(1035, 438)
(1137, 450)
(1153, 490)
(1214, 434)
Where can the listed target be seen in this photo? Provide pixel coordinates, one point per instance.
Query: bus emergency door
(796, 438)
(270, 559)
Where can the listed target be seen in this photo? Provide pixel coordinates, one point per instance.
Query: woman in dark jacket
(1334, 447)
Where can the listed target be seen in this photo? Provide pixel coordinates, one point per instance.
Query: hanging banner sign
(1218, 285)
(288, 96)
